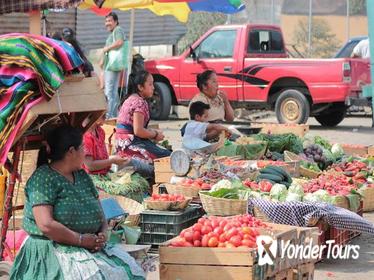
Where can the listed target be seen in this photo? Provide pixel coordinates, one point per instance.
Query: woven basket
(167, 205)
(290, 156)
(223, 207)
(341, 201)
(188, 191)
(305, 172)
(368, 199)
(132, 207)
(260, 215)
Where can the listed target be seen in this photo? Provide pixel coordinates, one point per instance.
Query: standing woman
(65, 221)
(115, 60)
(220, 107)
(133, 137)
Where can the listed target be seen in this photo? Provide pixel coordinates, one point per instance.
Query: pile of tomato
(199, 183)
(167, 197)
(262, 186)
(333, 184)
(239, 231)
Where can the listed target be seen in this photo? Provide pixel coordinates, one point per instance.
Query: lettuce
(293, 197)
(296, 189)
(278, 192)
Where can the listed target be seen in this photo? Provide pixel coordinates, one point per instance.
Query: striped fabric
(32, 68)
(24, 6)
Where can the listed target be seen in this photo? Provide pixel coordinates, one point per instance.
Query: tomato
(205, 186)
(197, 243)
(223, 223)
(187, 244)
(208, 223)
(178, 241)
(222, 238)
(221, 245)
(206, 229)
(204, 241)
(197, 227)
(247, 230)
(155, 196)
(230, 245)
(196, 235)
(218, 230)
(201, 221)
(213, 242)
(215, 223)
(231, 233)
(188, 235)
(236, 240)
(182, 232)
(249, 243)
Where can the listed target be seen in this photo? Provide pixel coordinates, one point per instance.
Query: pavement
(353, 130)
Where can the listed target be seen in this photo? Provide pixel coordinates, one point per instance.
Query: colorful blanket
(32, 68)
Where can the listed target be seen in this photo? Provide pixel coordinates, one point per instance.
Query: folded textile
(297, 213)
(32, 68)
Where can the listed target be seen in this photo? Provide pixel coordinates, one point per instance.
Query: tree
(357, 7)
(323, 43)
(199, 23)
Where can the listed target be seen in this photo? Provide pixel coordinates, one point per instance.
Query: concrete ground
(351, 130)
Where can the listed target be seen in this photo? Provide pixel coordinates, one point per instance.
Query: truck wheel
(5, 268)
(292, 107)
(331, 118)
(160, 103)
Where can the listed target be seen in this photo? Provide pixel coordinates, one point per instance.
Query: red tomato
(206, 229)
(249, 243)
(246, 230)
(204, 241)
(197, 243)
(208, 223)
(222, 238)
(187, 244)
(215, 223)
(229, 245)
(227, 227)
(196, 235)
(223, 223)
(231, 233)
(201, 221)
(213, 242)
(236, 240)
(218, 230)
(197, 227)
(221, 245)
(188, 235)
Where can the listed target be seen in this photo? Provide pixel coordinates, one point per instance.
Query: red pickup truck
(254, 70)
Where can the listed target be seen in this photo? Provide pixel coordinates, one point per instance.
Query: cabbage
(337, 150)
(223, 184)
(278, 192)
(296, 189)
(256, 194)
(293, 197)
(318, 196)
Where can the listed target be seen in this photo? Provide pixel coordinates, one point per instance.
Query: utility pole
(310, 28)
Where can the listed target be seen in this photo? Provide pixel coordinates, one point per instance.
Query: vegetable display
(167, 197)
(282, 142)
(199, 183)
(239, 231)
(332, 183)
(275, 174)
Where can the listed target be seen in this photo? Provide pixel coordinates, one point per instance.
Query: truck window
(219, 44)
(260, 41)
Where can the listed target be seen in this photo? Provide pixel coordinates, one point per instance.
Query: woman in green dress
(65, 221)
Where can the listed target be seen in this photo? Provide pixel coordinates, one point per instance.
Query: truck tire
(331, 118)
(160, 103)
(292, 107)
(5, 268)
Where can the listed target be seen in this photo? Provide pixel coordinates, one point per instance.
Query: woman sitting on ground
(133, 137)
(97, 163)
(65, 221)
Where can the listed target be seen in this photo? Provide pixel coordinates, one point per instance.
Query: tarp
(177, 8)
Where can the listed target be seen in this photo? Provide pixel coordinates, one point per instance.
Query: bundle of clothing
(32, 68)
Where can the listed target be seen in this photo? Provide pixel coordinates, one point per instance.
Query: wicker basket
(368, 199)
(167, 205)
(343, 202)
(188, 191)
(260, 215)
(132, 207)
(223, 207)
(290, 156)
(305, 172)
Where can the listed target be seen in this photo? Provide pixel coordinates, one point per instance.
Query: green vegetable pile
(133, 190)
(282, 142)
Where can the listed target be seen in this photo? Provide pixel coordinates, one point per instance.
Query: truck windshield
(260, 41)
(219, 44)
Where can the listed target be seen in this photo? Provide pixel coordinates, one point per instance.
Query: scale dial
(180, 162)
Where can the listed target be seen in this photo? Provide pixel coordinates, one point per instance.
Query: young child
(198, 127)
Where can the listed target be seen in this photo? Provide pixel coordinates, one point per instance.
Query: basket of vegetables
(307, 169)
(188, 187)
(165, 202)
(225, 199)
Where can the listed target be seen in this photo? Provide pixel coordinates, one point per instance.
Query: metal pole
(310, 28)
(347, 20)
(272, 11)
(131, 39)
(370, 17)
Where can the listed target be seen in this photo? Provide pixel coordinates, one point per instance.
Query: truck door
(264, 48)
(216, 52)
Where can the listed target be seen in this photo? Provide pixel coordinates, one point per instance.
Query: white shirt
(362, 49)
(196, 129)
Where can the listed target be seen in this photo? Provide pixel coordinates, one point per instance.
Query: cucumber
(281, 172)
(271, 177)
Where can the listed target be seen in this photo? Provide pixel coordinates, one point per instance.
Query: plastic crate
(170, 217)
(160, 226)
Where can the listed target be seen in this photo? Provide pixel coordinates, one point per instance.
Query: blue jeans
(144, 169)
(111, 92)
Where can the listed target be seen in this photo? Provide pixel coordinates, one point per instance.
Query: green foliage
(199, 23)
(324, 42)
(357, 7)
